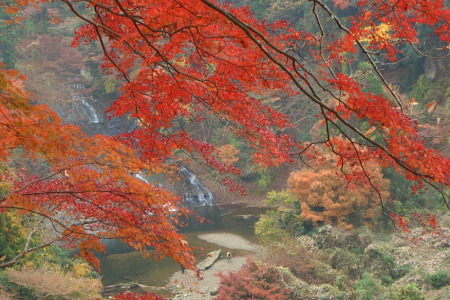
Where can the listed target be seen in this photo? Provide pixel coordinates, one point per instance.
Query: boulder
(209, 260)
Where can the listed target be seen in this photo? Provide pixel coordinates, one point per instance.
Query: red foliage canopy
(89, 191)
(193, 58)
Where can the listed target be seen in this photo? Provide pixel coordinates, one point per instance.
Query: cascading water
(89, 111)
(141, 177)
(92, 115)
(194, 192)
(86, 113)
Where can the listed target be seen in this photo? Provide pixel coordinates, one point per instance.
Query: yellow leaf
(368, 132)
(431, 106)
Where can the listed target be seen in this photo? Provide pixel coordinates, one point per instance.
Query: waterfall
(91, 117)
(141, 177)
(92, 114)
(194, 192)
(189, 187)
(90, 111)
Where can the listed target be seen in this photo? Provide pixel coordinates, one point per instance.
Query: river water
(122, 264)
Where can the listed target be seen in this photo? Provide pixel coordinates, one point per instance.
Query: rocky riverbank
(187, 286)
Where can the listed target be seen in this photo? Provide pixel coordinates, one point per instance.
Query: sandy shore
(187, 284)
(229, 240)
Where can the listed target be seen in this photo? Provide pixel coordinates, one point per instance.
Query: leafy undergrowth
(335, 264)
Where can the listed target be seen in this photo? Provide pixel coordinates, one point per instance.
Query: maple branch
(35, 181)
(52, 220)
(363, 49)
(361, 164)
(136, 18)
(159, 239)
(249, 30)
(71, 228)
(26, 248)
(427, 55)
(102, 43)
(322, 36)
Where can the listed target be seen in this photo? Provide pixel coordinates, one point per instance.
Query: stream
(122, 264)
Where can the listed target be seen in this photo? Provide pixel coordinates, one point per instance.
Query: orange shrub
(328, 196)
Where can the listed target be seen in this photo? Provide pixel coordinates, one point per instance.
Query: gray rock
(209, 261)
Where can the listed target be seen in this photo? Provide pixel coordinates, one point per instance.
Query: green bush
(12, 234)
(439, 279)
(400, 271)
(324, 273)
(381, 262)
(368, 288)
(406, 202)
(342, 282)
(386, 280)
(265, 180)
(283, 222)
(267, 230)
(409, 291)
(326, 291)
(346, 261)
(280, 198)
(358, 240)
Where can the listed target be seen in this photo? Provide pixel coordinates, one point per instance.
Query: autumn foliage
(327, 196)
(228, 154)
(253, 281)
(88, 191)
(218, 59)
(56, 284)
(194, 59)
(48, 57)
